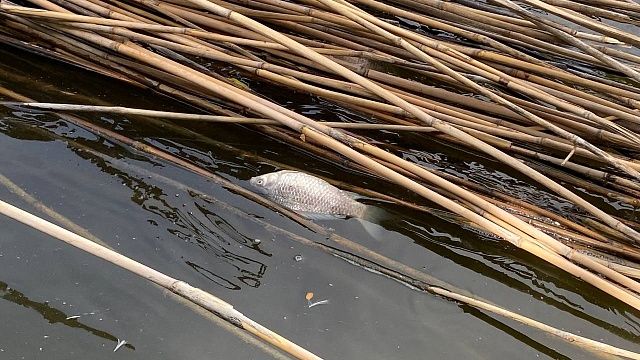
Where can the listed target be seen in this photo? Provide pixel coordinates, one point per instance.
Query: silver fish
(307, 194)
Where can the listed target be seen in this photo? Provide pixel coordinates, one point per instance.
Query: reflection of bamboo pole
(197, 296)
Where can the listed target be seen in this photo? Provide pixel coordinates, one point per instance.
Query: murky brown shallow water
(44, 282)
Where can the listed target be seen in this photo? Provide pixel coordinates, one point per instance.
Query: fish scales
(302, 192)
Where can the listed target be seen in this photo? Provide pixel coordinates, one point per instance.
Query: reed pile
(557, 102)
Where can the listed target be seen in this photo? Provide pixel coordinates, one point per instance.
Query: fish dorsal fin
(289, 172)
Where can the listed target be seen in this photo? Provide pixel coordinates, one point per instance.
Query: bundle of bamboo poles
(536, 105)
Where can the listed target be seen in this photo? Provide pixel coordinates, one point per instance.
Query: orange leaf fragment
(309, 296)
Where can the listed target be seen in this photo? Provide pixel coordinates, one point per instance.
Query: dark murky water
(45, 284)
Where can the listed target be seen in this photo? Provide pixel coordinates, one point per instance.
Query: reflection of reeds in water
(199, 226)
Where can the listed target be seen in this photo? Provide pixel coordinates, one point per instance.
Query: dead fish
(313, 197)
(308, 194)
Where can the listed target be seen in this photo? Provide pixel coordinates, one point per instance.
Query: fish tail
(371, 222)
(374, 214)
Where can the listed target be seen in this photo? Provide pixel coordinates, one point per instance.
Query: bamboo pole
(197, 296)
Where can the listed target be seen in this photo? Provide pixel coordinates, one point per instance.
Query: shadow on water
(51, 314)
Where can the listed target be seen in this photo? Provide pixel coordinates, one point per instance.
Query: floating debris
(321, 302)
(120, 344)
(309, 296)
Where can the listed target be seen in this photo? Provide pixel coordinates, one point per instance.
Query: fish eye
(260, 181)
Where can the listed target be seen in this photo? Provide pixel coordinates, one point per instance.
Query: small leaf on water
(309, 296)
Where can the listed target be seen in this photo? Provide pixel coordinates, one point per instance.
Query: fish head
(264, 183)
